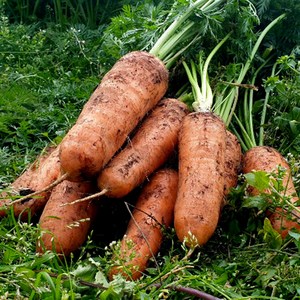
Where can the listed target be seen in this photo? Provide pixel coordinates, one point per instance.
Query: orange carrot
(126, 93)
(39, 175)
(233, 161)
(150, 147)
(65, 229)
(144, 235)
(267, 159)
(201, 176)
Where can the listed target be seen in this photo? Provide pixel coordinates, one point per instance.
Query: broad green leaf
(100, 278)
(270, 235)
(259, 202)
(295, 235)
(109, 294)
(258, 179)
(266, 276)
(85, 272)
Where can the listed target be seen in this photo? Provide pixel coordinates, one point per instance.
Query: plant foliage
(49, 67)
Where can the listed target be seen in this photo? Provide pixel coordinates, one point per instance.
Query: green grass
(46, 76)
(91, 13)
(237, 263)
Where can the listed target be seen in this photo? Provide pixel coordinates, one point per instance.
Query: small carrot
(267, 159)
(126, 93)
(38, 175)
(150, 147)
(144, 234)
(64, 230)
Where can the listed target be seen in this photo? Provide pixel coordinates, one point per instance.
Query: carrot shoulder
(44, 170)
(201, 176)
(150, 147)
(264, 158)
(142, 240)
(65, 228)
(126, 93)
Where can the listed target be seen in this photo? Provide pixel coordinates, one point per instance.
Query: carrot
(150, 147)
(201, 176)
(233, 161)
(65, 230)
(207, 153)
(126, 93)
(264, 158)
(144, 234)
(39, 175)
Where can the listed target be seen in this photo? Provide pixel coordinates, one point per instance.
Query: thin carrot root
(144, 235)
(150, 147)
(65, 230)
(126, 93)
(87, 198)
(43, 190)
(263, 158)
(201, 177)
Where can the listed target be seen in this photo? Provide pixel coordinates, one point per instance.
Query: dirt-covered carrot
(134, 85)
(264, 158)
(233, 161)
(209, 163)
(150, 147)
(202, 146)
(153, 211)
(40, 174)
(196, 214)
(126, 93)
(65, 228)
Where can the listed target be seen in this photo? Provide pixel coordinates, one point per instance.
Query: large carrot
(201, 176)
(263, 158)
(150, 147)
(126, 93)
(39, 175)
(202, 151)
(65, 229)
(131, 88)
(142, 240)
(199, 201)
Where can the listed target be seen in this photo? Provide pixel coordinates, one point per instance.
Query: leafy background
(52, 56)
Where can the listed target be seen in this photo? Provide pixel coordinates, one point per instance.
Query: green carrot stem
(164, 45)
(233, 99)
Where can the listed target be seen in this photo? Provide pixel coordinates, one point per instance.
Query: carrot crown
(202, 94)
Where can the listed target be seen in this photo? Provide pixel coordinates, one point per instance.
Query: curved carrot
(39, 175)
(264, 158)
(150, 147)
(142, 240)
(201, 176)
(126, 93)
(64, 230)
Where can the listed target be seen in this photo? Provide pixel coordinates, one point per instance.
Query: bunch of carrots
(65, 184)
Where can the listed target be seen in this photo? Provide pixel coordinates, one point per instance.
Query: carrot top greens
(223, 103)
(47, 73)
